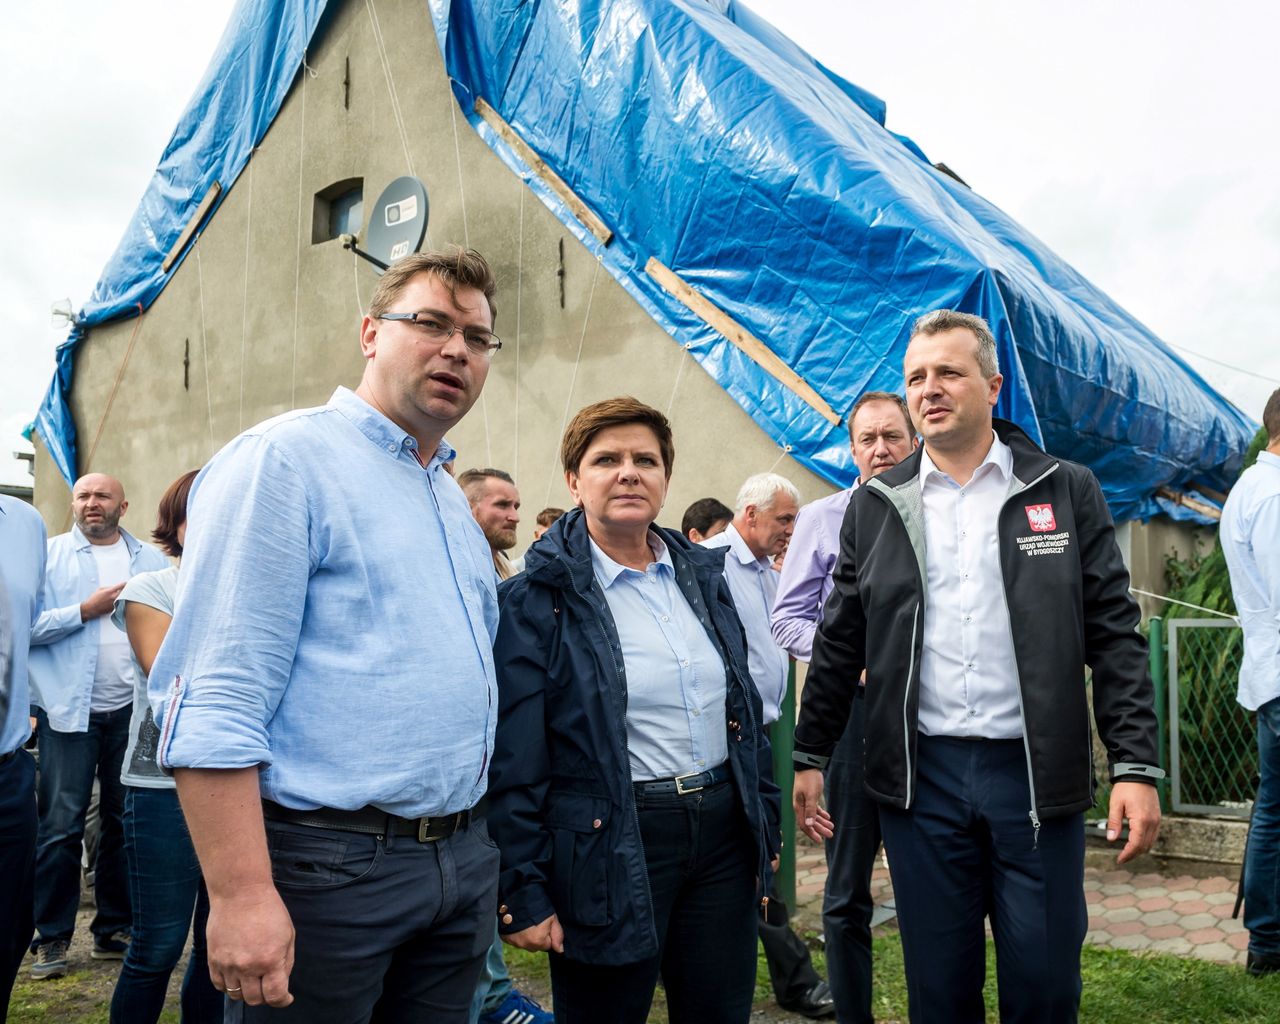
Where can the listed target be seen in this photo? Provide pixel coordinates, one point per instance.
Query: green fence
(1212, 747)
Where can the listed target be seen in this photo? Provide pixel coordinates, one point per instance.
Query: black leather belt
(371, 821)
(682, 784)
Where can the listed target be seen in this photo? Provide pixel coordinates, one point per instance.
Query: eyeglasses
(440, 329)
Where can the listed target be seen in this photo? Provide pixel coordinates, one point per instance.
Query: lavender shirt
(806, 573)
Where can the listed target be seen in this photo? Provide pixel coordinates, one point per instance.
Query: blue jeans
(701, 862)
(1262, 860)
(168, 891)
(495, 981)
(68, 763)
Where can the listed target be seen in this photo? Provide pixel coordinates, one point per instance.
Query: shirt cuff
(196, 736)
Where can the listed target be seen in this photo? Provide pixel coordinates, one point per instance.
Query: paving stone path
(1135, 911)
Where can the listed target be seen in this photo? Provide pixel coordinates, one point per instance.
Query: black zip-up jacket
(1067, 591)
(561, 805)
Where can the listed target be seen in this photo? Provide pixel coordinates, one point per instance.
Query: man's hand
(100, 602)
(250, 939)
(1140, 803)
(814, 821)
(545, 937)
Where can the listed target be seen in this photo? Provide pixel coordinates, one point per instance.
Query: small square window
(338, 210)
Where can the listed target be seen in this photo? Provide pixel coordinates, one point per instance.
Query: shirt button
(701, 761)
(696, 712)
(665, 618)
(973, 712)
(502, 909)
(392, 447)
(597, 823)
(507, 919)
(685, 663)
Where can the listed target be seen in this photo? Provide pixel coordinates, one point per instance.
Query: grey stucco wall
(271, 320)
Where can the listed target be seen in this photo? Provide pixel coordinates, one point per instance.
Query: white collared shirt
(968, 675)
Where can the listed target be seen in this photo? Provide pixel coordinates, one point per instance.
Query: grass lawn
(1119, 988)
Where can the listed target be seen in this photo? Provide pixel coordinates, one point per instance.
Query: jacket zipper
(1022, 711)
(906, 707)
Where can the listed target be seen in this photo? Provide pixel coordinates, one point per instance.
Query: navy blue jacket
(562, 809)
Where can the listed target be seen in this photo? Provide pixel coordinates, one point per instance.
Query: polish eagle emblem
(1040, 518)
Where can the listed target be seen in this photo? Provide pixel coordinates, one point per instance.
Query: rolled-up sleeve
(229, 652)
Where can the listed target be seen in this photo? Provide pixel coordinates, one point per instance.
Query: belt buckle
(423, 825)
(682, 789)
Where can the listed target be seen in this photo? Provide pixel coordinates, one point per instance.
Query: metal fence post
(783, 742)
(1156, 656)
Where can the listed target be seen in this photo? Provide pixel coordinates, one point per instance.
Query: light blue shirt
(675, 676)
(1250, 535)
(335, 620)
(753, 582)
(64, 650)
(22, 563)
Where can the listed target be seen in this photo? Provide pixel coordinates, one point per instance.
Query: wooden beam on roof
(193, 225)
(1178, 498)
(590, 220)
(753, 347)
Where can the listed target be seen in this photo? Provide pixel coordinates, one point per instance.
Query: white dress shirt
(1250, 535)
(968, 676)
(753, 582)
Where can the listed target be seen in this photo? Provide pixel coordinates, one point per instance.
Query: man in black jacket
(988, 576)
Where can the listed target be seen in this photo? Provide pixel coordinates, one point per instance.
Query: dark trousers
(68, 763)
(791, 971)
(702, 866)
(387, 929)
(966, 850)
(168, 893)
(17, 866)
(851, 857)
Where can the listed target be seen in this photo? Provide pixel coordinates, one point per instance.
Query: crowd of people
(349, 748)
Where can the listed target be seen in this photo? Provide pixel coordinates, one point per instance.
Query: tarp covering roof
(705, 139)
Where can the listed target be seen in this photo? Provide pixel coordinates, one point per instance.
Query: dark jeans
(164, 878)
(17, 865)
(966, 850)
(1262, 857)
(702, 876)
(388, 929)
(851, 857)
(68, 763)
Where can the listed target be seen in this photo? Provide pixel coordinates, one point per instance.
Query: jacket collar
(562, 556)
(1029, 460)
(82, 543)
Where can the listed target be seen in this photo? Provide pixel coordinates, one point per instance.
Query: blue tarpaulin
(705, 139)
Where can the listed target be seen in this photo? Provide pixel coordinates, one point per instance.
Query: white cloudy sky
(1138, 139)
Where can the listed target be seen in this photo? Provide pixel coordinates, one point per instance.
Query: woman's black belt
(371, 821)
(682, 784)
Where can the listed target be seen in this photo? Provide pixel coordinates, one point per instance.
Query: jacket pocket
(580, 857)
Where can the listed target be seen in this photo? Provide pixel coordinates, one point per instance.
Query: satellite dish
(398, 222)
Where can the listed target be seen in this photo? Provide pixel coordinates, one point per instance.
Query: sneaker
(110, 947)
(517, 1008)
(51, 959)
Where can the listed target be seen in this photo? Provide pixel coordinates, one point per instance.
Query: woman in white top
(164, 875)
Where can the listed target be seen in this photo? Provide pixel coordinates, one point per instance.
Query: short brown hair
(614, 412)
(471, 479)
(548, 515)
(454, 266)
(942, 320)
(172, 514)
(1271, 417)
(881, 396)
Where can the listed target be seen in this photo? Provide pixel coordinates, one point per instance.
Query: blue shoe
(518, 1008)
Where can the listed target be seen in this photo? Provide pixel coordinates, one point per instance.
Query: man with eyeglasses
(327, 689)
